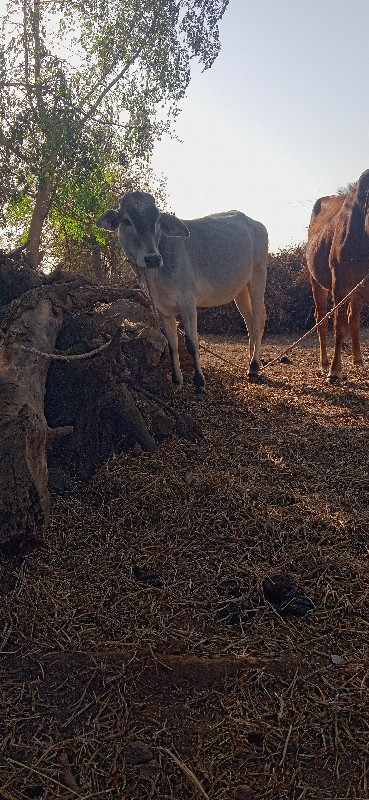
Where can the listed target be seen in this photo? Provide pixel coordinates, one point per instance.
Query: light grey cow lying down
(195, 264)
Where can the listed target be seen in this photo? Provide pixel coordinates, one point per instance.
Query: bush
(288, 298)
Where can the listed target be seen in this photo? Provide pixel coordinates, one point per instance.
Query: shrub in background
(288, 297)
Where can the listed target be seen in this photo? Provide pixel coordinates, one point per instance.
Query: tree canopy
(82, 82)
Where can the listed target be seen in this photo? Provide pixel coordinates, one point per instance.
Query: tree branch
(107, 89)
(101, 80)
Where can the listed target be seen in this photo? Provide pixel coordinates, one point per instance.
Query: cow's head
(140, 225)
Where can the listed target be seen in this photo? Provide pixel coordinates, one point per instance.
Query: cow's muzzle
(153, 260)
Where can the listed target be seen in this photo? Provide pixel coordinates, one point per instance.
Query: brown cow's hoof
(358, 363)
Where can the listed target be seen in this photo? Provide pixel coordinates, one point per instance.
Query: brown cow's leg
(340, 331)
(354, 312)
(320, 296)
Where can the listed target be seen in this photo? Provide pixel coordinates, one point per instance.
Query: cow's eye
(127, 222)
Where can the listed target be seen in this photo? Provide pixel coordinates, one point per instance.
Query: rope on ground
(216, 355)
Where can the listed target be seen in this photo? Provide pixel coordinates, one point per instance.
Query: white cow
(193, 264)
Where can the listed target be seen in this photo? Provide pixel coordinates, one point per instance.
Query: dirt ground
(141, 653)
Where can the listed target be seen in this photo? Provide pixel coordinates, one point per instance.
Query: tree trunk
(24, 499)
(40, 212)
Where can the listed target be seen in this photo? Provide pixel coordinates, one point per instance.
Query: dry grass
(94, 660)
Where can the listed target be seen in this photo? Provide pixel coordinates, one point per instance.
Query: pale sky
(281, 118)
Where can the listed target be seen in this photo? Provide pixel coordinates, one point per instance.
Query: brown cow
(337, 255)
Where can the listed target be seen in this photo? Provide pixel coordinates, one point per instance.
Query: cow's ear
(172, 226)
(109, 220)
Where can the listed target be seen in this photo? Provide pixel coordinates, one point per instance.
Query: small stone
(139, 753)
(338, 661)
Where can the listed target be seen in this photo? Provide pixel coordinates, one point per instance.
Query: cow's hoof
(334, 379)
(253, 374)
(358, 363)
(200, 392)
(177, 379)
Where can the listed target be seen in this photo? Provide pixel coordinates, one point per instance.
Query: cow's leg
(320, 296)
(189, 319)
(169, 326)
(354, 311)
(243, 303)
(256, 289)
(340, 331)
